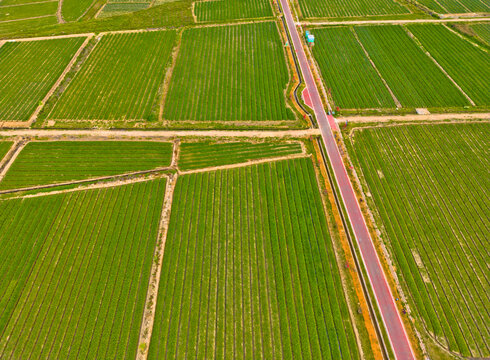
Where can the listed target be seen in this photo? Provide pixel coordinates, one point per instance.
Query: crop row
(4, 148)
(249, 270)
(27, 72)
(194, 155)
(429, 187)
(75, 272)
(457, 6)
(41, 163)
(482, 31)
(219, 10)
(72, 10)
(120, 79)
(113, 8)
(26, 11)
(348, 8)
(229, 73)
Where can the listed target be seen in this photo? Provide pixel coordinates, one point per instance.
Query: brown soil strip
(33, 117)
(59, 15)
(414, 117)
(392, 22)
(10, 157)
(397, 102)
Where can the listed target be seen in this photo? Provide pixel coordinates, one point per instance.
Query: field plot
(249, 269)
(457, 6)
(482, 31)
(26, 11)
(41, 163)
(195, 155)
(4, 148)
(347, 71)
(341, 8)
(230, 73)
(27, 72)
(72, 10)
(218, 10)
(74, 272)
(467, 64)
(429, 185)
(113, 9)
(120, 80)
(412, 76)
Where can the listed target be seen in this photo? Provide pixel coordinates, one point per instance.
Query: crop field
(341, 8)
(467, 64)
(74, 271)
(457, 6)
(120, 80)
(249, 270)
(230, 73)
(41, 163)
(27, 72)
(482, 31)
(347, 71)
(412, 76)
(195, 155)
(72, 10)
(219, 10)
(112, 9)
(4, 148)
(429, 186)
(26, 11)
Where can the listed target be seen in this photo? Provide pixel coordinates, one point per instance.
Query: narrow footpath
(384, 297)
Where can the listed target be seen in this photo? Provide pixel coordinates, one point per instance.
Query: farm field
(341, 8)
(249, 269)
(74, 271)
(229, 73)
(4, 148)
(27, 72)
(412, 76)
(428, 185)
(26, 11)
(72, 10)
(112, 9)
(194, 155)
(483, 32)
(468, 65)
(457, 6)
(41, 163)
(347, 71)
(120, 80)
(220, 10)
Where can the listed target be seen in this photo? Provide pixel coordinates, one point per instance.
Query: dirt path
(51, 37)
(29, 18)
(431, 117)
(10, 157)
(59, 15)
(160, 133)
(393, 22)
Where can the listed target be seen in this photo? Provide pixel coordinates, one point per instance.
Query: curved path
(389, 313)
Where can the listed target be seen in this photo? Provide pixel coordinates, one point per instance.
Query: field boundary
(391, 22)
(10, 157)
(414, 117)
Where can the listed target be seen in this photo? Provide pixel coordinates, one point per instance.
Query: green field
(72, 10)
(249, 270)
(429, 188)
(9, 13)
(342, 8)
(230, 73)
(468, 65)
(412, 76)
(195, 155)
(4, 148)
(41, 163)
(74, 272)
(120, 80)
(482, 31)
(113, 9)
(220, 10)
(457, 6)
(347, 71)
(27, 72)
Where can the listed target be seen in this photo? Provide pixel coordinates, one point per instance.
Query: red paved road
(391, 317)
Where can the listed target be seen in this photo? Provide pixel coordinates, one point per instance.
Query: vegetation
(194, 155)
(467, 64)
(74, 271)
(4, 148)
(482, 31)
(25, 11)
(429, 187)
(41, 163)
(72, 10)
(340, 8)
(456, 6)
(347, 71)
(120, 80)
(112, 9)
(219, 10)
(249, 270)
(412, 76)
(28, 70)
(230, 73)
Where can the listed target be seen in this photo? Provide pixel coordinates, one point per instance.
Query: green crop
(219, 10)
(341, 8)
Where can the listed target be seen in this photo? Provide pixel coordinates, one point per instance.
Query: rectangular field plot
(41, 163)
(74, 272)
(412, 76)
(120, 80)
(249, 270)
(26, 11)
(113, 9)
(429, 185)
(28, 70)
(346, 70)
(457, 6)
(482, 31)
(72, 10)
(342, 8)
(467, 64)
(230, 73)
(4, 148)
(218, 10)
(195, 155)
